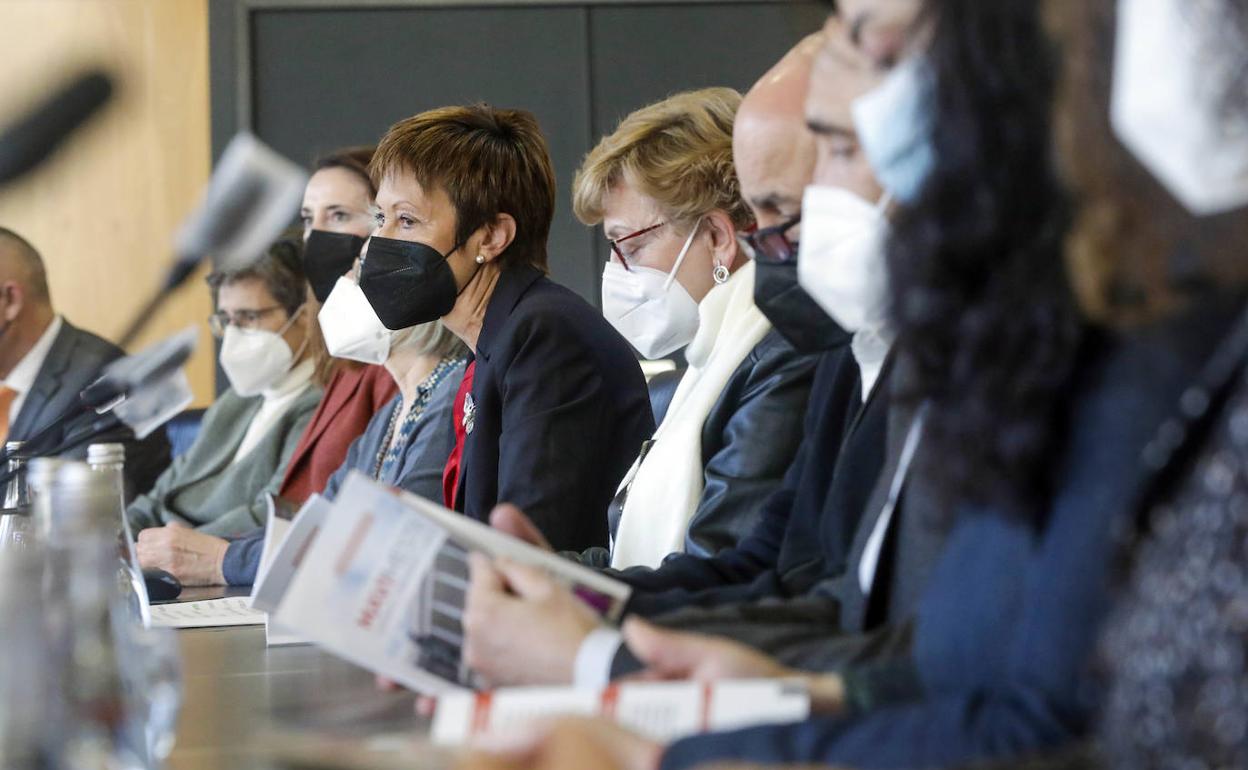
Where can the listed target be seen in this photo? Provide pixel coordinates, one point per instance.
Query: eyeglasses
(772, 244)
(243, 319)
(615, 244)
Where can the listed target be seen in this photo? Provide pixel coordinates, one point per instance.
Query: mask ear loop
(680, 258)
(306, 337)
(881, 207)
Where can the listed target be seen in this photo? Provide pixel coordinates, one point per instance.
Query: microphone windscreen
(25, 143)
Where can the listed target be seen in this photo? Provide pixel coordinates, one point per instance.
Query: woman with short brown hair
(554, 407)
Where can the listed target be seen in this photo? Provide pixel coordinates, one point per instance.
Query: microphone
(150, 365)
(253, 195)
(27, 142)
(140, 391)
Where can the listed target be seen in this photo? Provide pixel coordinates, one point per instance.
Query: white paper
(285, 545)
(383, 584)
(231, 611)
(662, 711)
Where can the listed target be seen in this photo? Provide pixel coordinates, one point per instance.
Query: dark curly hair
(988, 328)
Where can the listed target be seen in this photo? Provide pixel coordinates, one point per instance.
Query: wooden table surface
(243, 702)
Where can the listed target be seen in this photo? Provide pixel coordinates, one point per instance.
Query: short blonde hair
(677, 151)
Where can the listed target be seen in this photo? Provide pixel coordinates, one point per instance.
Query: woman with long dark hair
(1034, 422)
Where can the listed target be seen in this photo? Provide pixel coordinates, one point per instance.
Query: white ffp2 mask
(649, 307)
(1165, 108)
(840, 259)
(351, 327)
(256, 359)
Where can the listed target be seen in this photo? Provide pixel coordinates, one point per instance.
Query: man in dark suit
(829, 575)
(45, 362)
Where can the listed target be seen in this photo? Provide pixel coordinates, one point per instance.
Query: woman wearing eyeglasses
(664, 188)
(269, 354)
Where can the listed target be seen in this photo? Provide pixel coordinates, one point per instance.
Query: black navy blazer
(74, 361)
(806, 526)
(561, 411)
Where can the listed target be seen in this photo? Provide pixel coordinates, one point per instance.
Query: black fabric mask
(327, 257)
(792, 312)
(407, 282)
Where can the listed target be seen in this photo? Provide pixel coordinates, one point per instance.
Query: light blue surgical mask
(894, 124)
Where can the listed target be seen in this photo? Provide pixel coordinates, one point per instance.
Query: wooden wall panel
(104, 210)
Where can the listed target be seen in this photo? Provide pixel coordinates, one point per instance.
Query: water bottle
(88, 615)
(149, 658)
(40, 479)
(16, 530)
(27, 675)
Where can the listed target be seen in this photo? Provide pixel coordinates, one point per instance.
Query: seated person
(220, 485)
(405, 444)
(797, 578)
(45, 362)
(336, 220)
(665, 191)
(553, 408)
(1002, 660)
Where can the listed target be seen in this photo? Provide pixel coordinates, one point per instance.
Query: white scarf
(665, 489)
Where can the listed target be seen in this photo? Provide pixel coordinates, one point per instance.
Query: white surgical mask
(256, 359)
(649, 307)
(351, 327)
(1164, 106)
(894, 125)
(840, 259)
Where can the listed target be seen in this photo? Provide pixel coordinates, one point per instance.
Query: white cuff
(592, 668)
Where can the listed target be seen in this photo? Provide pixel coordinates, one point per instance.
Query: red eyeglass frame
(615, 244)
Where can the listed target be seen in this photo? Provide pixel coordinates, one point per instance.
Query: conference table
(246, 706)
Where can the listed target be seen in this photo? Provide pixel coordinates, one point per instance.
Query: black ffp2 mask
(792, 312)
(327, 257)
(407, 282)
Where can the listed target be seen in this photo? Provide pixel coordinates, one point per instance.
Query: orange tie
(7, 395)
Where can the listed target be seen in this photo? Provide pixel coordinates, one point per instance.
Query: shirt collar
(23, 376)
(870, 348)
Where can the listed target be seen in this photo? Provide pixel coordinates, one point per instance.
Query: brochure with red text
(383, 584)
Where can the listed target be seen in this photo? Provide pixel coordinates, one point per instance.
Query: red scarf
(450, 474)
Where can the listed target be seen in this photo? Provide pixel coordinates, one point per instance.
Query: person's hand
(679, 655)
(676, 655)
(510, 519)
(571, 744)
(192, 557)
(520, 626)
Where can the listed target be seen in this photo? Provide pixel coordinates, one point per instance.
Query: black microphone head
(25, 143)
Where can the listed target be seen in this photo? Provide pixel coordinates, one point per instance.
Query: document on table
(231, 611)
(662, 711)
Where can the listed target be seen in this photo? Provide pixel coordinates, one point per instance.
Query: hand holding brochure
(661, 711)
(383, 584)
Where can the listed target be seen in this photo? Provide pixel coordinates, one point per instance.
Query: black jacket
(561, 410)
(74, 362)
(749, 440)
(806, 527)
